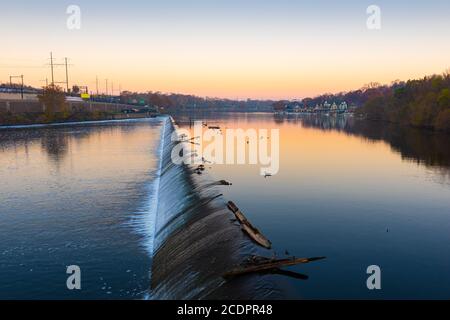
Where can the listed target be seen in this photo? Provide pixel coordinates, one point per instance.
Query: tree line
(420, 103)
(180, 102)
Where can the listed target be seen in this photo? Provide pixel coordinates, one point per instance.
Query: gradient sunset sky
(236, 49)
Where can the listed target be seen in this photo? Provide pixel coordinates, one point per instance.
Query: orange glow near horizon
(218, 77)
(238, 53)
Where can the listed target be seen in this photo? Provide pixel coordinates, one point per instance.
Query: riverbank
(8, 120)
(27, 112)
(423, 103)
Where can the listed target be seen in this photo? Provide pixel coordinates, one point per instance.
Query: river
(356, 192)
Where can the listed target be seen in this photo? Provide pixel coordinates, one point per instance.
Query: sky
(235, 49)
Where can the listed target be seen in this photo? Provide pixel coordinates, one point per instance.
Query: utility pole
(21, 88)
(51, 65)
(96, 84)
(86, 88)
(67, 75)
(106, 86)
(112, 88)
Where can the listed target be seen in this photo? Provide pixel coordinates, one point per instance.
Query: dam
(197, 239)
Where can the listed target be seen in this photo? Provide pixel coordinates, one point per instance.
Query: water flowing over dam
(197, 239)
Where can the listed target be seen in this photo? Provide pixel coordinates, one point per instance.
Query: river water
(358, 193)
(77, 195)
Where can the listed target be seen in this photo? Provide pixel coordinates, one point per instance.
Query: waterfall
(196, 239)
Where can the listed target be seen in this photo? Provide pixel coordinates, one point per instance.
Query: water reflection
(421, 146)
(77, 194)
(56, 142)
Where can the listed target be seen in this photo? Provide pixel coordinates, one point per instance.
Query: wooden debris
(232, 206)
(248, 228)
(262, 264)
(199, 170)
(290, 274)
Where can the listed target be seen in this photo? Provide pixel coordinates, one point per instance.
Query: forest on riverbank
(421, 103)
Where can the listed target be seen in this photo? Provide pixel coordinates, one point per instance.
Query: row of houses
(324, 107)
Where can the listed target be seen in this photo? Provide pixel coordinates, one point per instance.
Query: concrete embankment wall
(17, 96)
(29, 106)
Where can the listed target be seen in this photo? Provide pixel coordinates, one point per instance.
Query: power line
(46, 81)
(21, 67)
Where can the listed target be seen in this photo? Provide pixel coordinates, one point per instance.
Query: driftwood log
(264, 264)
(248, 228)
